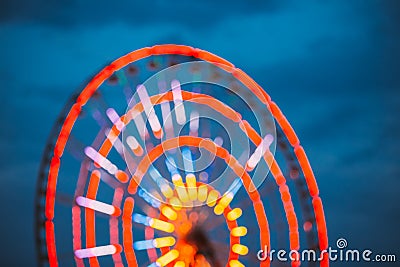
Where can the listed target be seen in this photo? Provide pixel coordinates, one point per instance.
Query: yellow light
(234, 214)
(179, 264)
(167, 258)
(202, 193)
(218, 210)
(166, 190)
(164, 242)
(175, 203)
(223, 203)
(182, 194)
(162, 225)
(239, 231)
(169, 213)
(212, 198)
(240, 249)
(235, 263)
(180, 188)
(192, 186)
(226, 199)
(177, 180)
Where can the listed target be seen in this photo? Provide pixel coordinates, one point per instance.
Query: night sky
(332, 67)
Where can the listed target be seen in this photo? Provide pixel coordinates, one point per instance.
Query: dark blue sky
(332, 67)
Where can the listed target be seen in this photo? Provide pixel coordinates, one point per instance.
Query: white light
(259, 152)
(101, 160)
(95, 205)
(96, 251)
(179, 107)
(219, 141)
(139, 122)
(115, 119)
(167, 119)
(148, 108)
(132, 142)
(194, 123)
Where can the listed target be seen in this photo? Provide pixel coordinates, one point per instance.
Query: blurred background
(332, 67)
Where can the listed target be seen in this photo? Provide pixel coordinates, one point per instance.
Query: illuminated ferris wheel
(171, 156)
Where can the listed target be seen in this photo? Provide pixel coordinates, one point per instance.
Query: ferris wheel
(172, 156)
